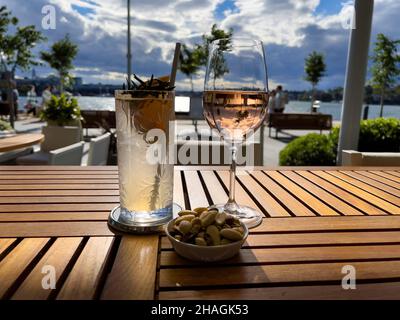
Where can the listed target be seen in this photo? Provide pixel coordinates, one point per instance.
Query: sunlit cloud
(290, 29)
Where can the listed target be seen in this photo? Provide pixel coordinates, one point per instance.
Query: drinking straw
(175, 64)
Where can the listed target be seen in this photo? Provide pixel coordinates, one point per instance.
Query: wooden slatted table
(318, 220)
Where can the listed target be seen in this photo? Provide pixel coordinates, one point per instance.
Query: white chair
(355, 158)
(69, 155)
(98, 151)
(54, 138)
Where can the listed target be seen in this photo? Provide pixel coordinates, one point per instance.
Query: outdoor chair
(355, 158)
(9, 157)
(70, 155)
(54, 138)
(98, 151)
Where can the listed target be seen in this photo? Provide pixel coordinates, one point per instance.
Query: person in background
(280, 100)
(31, 101)
(46, 95)
(16, 98)
(271, 102)
(4, 109)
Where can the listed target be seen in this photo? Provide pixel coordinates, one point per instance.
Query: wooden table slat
(386, 175)
(351, 199)
(54, 229)
(5, 244)
(86, 274)
(63, 177)
(388, 207)
(382, 190)
(326, 224)
(29, 194)
(322, 239)
(133, 275)
(17, 260)
(54, 216)
(195, 190)
(290, 255)
(53, 207)
(217, 192)
(75, 187)
(393, 173)
(60, 200)
(58, 181)
(57, 257)
(267, 274)
(318, 206)
(271, 206)
(318, 192)
(382, 177)
(385, 291)
(295, 207)
(241, 195)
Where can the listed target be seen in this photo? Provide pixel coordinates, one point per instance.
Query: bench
(94, 119)
(299, 121)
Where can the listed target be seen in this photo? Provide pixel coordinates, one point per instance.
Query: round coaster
(116, 223)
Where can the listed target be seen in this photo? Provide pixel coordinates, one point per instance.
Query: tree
(192, 59)
(189, 62)
(215, 34)
(385, 68)
(16, 49)
(219, 67)
(315, 69)
(60, 58)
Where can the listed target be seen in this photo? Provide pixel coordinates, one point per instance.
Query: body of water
(333, 108)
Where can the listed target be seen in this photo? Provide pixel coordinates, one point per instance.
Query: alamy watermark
(203, 147)
(49, 278)
(349, 280)
(349, 18)
(49, 17)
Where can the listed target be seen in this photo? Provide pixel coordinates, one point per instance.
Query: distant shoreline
(197, 94)
(294, 106)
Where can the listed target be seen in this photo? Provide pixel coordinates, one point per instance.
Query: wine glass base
(249, 216)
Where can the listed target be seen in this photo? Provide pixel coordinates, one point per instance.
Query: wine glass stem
(232, 179)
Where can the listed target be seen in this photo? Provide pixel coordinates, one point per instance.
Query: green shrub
(310, 150)
(61, 110)
(376, 135)
(4, 125)
(380, 135)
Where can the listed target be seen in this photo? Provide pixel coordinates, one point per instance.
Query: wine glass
(235, 103)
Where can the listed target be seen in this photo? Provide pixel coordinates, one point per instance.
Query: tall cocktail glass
(145, 172)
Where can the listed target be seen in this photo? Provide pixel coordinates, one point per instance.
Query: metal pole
(357, 61)
(129, 55)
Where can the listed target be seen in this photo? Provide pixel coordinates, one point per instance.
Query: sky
(289, 29)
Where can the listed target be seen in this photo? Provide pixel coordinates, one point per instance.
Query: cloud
(290, 30)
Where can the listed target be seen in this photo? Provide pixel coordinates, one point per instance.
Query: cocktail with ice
(145, 176)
